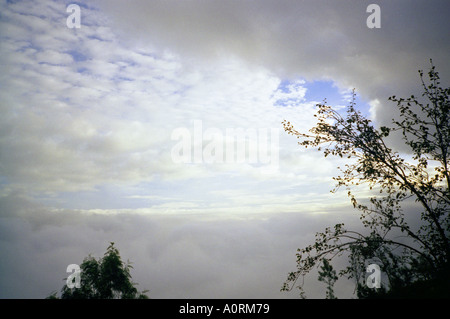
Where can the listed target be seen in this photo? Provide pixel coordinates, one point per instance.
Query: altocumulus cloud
(88, 113)
(82, 112)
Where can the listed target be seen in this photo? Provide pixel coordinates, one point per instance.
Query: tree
(329, 277)
(105, 278)
(417, 262)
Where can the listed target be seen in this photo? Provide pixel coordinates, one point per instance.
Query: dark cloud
(309, 39)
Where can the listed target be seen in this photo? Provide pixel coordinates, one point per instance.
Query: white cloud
(107, 117)
(53, 57)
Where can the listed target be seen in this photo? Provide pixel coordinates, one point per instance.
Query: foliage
(105, 278)
(421, 254)
(328, 276)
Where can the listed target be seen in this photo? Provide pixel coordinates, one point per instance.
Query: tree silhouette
(417, 262)
(328, 276)
(105, 278)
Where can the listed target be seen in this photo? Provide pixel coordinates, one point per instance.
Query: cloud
(308, 39)
(88, 115)
(174, 256)
(96, 112)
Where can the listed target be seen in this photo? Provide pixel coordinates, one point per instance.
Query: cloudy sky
(129, 128)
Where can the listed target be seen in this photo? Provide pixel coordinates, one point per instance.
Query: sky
(157, 125)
